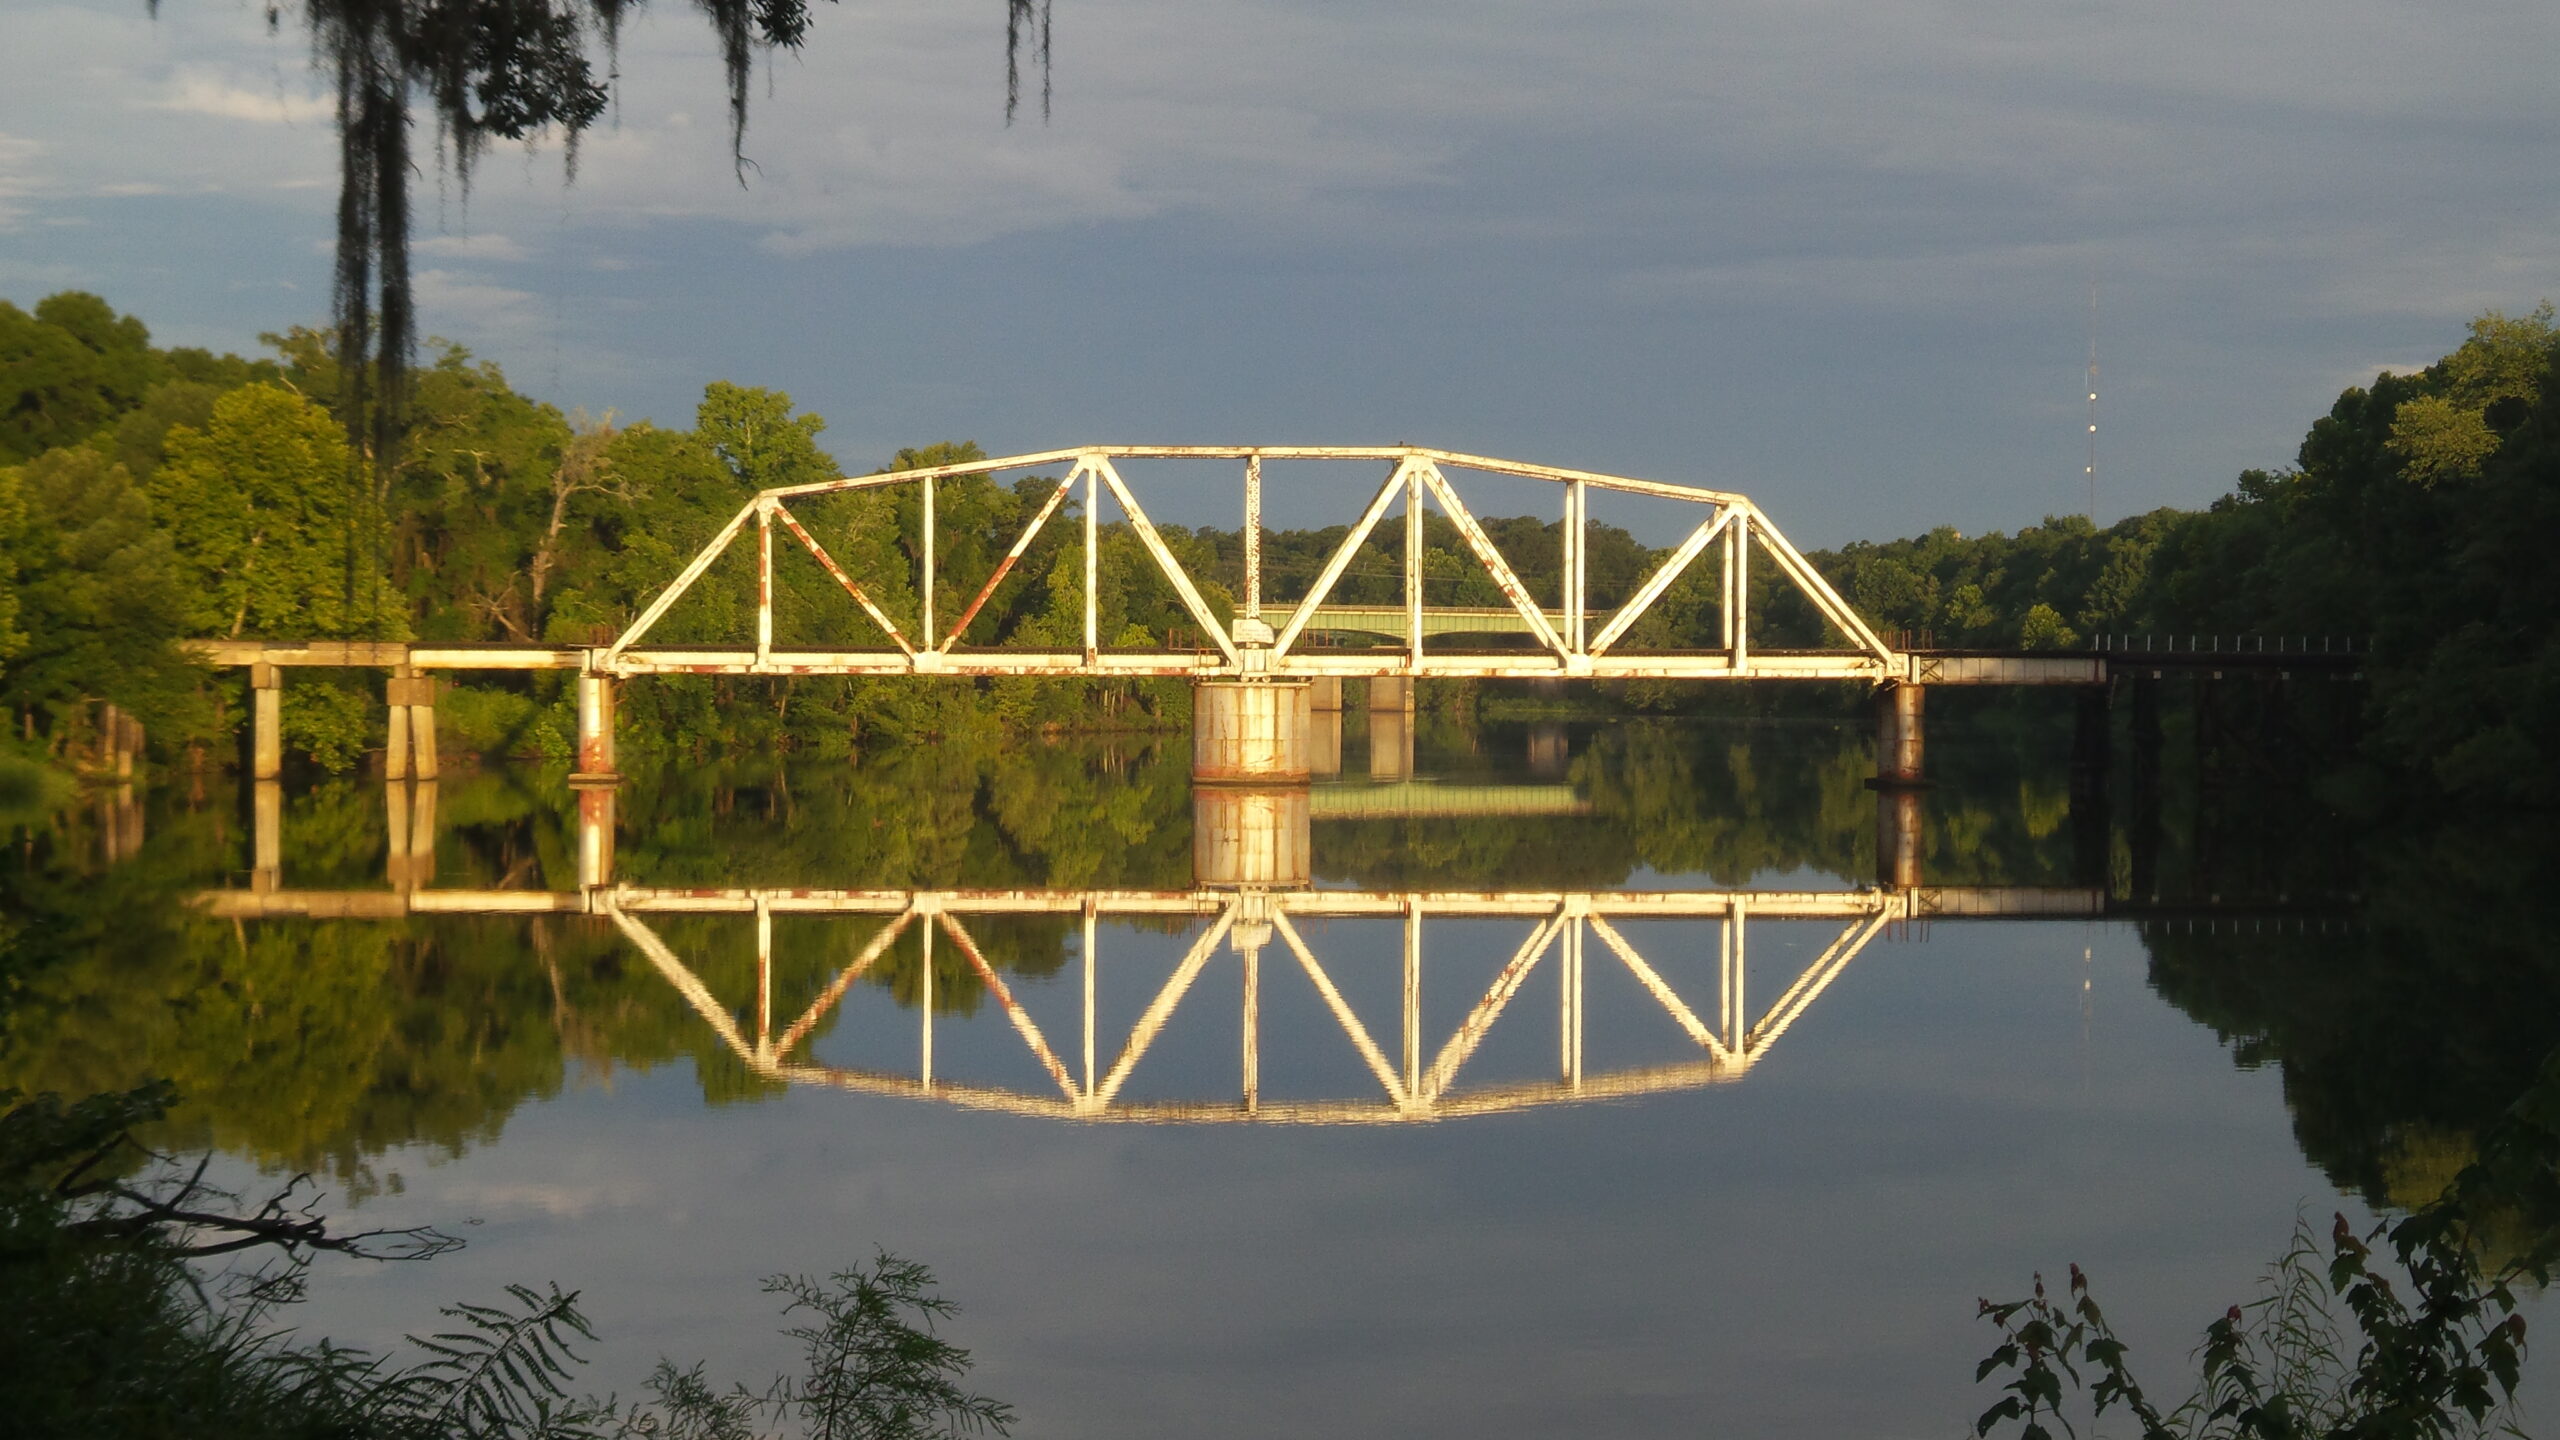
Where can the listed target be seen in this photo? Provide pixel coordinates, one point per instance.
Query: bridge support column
(411, 811)
(412, 747)
(266, 722)
(1901, 838)
(1390, 744)
(1550, 753)
(1254, 837)
(1900, 749)
(1391, 692)
(596, 764)
(266, 836)
(595, 836)
(1324, 742)
(1324, 694)
(1252, 732)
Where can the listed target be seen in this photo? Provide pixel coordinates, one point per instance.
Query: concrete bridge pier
(266, 722)
(1550, 753)
(1390, 744)
(411, 750)
(1324, 694)
(596, 763)
(266, 836)
(1901, 837)
(1251, 837)
(1900, 742)
(595, 836)
(411, 812)
(1250, 732)
(1391, 693)
(1324, 740)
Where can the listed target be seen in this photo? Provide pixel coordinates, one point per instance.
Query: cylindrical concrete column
(422, 734)
(1901, 842)
(1391, 692)
(1250, 731)
(1324, 693)
(413, 726)
(596, 765)
(395, 809)
(266, 836)
(595, 836)
(1550, 754)
(422, 831)
(1390, 744)
(1324, 742)
(395, 746)
(1256, 837)
(1899, 742)
(266, 722)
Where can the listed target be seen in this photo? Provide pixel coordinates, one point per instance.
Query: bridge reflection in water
(1251, 907)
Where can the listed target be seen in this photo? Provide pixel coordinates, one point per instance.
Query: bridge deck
(1921, 667)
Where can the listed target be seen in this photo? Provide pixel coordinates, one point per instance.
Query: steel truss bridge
(1565, 635)
(1417, 1077)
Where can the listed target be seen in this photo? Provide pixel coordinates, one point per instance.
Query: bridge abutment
(1250, 732)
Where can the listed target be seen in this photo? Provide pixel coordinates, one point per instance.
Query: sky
(1837, 254)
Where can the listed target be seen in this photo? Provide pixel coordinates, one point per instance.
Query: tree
(255, 505)
(503, 70)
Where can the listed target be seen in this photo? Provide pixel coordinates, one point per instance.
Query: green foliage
(110, 1333)
(258, 508)
(875, 1369)
(2436, 1351)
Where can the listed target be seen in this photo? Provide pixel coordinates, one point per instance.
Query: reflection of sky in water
(1795, 1254)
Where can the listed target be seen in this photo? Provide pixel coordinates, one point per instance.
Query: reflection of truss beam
(1250, 920)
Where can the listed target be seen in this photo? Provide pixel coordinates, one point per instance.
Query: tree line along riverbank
(148, 495)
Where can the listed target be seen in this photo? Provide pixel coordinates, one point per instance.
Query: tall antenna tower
(2092, 471)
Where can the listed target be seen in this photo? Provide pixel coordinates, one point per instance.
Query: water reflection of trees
(2401, 1041)
(323, 1043)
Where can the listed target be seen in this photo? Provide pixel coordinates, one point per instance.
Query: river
(1593, 1083)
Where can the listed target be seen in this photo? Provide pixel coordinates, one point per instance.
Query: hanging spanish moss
(488, 69)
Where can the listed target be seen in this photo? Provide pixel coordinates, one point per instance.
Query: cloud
(197, 91)
(485, 246)
(17, 177)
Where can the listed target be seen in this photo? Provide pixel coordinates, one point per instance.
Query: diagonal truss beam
(827, 999)
(1158, 1011)
(860, 596)
(1504, 577)
(1343, 1014)
(1214, 627)
(1341, 560)
(1669, 571)
(1012, 557)
(1660, 989)
(1023, 1024)
(1497, 997)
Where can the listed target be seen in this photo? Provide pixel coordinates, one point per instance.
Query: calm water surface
(1470, 1164)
